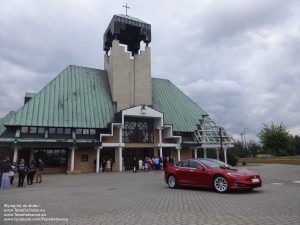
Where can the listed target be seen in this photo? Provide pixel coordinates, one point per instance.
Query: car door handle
(191, 170)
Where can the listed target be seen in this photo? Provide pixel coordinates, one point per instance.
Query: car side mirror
(200, 168)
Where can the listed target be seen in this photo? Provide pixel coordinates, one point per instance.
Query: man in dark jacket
(31, 171)
(22, 172)
(135, 165)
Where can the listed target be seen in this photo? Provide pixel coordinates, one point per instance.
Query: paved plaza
(144, 198)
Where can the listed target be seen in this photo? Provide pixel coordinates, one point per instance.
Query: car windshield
(215, 163)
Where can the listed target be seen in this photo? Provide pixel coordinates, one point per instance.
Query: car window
(184, 164)
(211, 163)
(194, 164)
(215, 163)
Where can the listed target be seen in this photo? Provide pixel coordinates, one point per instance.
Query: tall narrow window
(138, 130)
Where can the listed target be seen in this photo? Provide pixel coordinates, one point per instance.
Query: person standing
(108, 165)
(103, 165)
(22, 173)
(165, 160)
(111, 164)
(149, 164)
(135, 165)
(5, 183)
(39, 171)
(172, 160)
(146, 164)
(140, 164)
(12, 173)
(156, 163)
(31, 172)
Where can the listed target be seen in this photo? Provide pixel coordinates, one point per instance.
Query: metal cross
(127, 7)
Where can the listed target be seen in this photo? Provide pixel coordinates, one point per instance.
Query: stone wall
(86, 166)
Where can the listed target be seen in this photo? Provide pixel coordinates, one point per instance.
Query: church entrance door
(138, 153)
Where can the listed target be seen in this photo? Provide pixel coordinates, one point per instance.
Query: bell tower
(129, 72)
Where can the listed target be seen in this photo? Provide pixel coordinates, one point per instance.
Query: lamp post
(245, 142)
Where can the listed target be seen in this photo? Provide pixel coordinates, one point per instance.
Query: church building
(85, 115)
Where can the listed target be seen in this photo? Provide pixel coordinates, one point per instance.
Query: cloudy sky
(238, 59)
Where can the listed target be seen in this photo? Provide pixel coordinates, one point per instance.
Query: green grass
(295, 160)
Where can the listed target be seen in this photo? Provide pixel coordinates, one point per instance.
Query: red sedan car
(210, 173)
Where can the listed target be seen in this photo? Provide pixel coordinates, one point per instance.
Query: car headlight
(235, 174)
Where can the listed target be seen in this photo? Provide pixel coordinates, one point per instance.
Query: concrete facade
(129, 78)
(83, 166)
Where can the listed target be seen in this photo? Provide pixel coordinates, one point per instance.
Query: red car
(210, 173)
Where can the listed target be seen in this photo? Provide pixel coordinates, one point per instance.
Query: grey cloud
(239, 60)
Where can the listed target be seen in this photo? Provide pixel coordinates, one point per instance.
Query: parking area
(144, 198)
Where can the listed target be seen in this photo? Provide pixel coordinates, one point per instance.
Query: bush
(282, 153)
(232, 159)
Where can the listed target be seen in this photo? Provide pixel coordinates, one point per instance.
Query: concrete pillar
(160, 142)
(120, 149)
(217, 151)
(204, 153)
(195, 153)
(31, 155)
(160, 152)
(16, 151)
(225, 155)
(98, 160)
(72, 158)
(120, 159)
(178, 155)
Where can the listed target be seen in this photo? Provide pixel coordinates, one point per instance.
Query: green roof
(80, 97)
(77, 97)
(2, 127)
(4, 120)
(179, 109)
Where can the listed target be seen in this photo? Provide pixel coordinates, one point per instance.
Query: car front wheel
(172, 181)
(220, 184)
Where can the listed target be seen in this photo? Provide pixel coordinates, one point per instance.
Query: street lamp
(245, 142)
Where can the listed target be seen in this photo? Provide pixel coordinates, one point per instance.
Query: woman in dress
(6, 167)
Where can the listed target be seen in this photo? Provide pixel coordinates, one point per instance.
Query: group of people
(154, 163)
(105, 165)
(31, 170)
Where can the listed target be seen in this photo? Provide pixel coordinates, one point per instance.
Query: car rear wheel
(172, 181)
(220, 184)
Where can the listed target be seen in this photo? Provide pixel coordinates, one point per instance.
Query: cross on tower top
(126, 7)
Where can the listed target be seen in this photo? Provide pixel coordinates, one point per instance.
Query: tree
(254, 148)
(239, 150)
(297, 144)
(275, 138)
